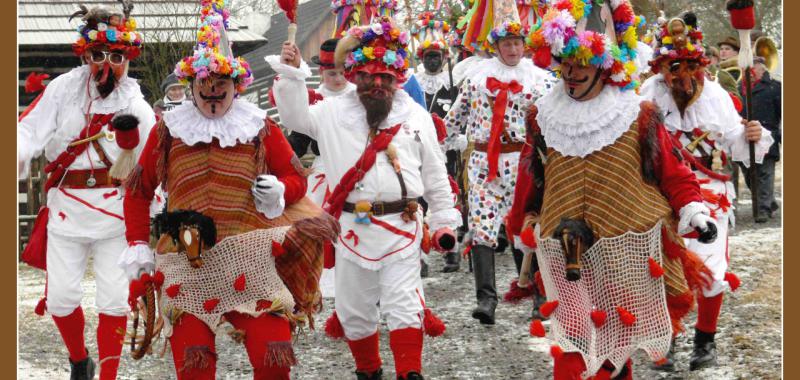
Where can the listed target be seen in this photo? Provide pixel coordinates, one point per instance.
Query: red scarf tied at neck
(498, 114)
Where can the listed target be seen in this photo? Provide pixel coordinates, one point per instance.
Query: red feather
(210, 304)
(290, 7)
(733, 281)
(239, 283)
(33, 83)
(432, 325)
(656, 270)
(515, 293)
(537, 328)
(599, 318)
(333, 327)
(173, 290)
(625, 316)
(548, 308)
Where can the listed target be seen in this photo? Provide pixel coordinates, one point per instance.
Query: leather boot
(518, 257)
(669, 364)
(423, 269)
(452, 262)
(704, 354)
(377, 375)
(485, 288)
(412, 376)
(82, 370)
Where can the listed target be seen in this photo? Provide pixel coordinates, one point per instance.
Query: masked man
(608, 198)
(701, 115)
(491, 108)
(233, 179)
(89, 122)
(380, 154)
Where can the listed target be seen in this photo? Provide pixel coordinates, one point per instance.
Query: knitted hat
(595, 32)
(680, 38)
(170, 81)
(325, 57)
(377, 48)
(103, 26)
(430, 33)
(490, 21)
(213, 54)
(353, 13)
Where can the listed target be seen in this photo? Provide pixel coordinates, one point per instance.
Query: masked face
(685, 79)
(376, 92)
(213, 96)
(432, 61)
(581, 82)
(106, 67)
(510, 50)
(334, 79)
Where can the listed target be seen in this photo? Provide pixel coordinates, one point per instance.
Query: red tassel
(277, 249)
(548, 307)
(432, 325)
(656, 270)
(173, 290)
(678, 307)
(135, 289)
(516, 294)
(158, 279)
(211, 304)
(239, 283)
(537, 328)
(599, 318)
(527, 237)
(41, 306)
(625, 316)
(556, 352)
(466, 251)
(733, 281)
(333, 328)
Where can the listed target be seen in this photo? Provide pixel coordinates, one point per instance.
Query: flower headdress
(380, 46)
(491, 21)
(353, 13)
(430, 33)
(213, 54)
(105, 27)
(579, 29)
(678, 39)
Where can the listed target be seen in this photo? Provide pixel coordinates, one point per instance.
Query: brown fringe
(134, 180)
(648, 121)
(197, 357)
(280, 354)
(299, 167)
(322, 227)
(163, 148)
(261, 151)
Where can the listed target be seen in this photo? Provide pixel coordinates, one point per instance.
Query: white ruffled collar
(531, 77)
(356, 114)
(326, 93)
(119, 99)
(432, 83)
(241, 124)
(576, 128)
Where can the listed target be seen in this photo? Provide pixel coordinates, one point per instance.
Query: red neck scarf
(498, 114)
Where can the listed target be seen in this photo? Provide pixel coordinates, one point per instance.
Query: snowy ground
(749, 341)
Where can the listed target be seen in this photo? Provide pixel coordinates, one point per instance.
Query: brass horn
(766, 48)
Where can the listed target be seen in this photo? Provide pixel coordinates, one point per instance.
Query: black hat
(325, 57)
(169, 81)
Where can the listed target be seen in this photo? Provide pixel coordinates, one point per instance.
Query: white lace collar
(356, 114)
(241, 124)
(326, 93)
(119, 99)
(576, 128)
(712, 111)
(531, 77)
(432, 83)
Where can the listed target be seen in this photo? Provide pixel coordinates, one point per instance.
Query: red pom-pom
(743, 19)
(173, 290)
(277, 249)
(135, 289)
(656, 270)
(599, 318)
(432, 325)
(733, 281)
(527, 237)
(625, 316)
(623, 13)
(441, 130)
(158, 279)
(239, 283)
(516, 293)
(556, 352)
(33, 83)
(542, 58)
(145, 278)
(210, 304)
(333, 328)
(41, 306)
(548, 307)
(537, 328)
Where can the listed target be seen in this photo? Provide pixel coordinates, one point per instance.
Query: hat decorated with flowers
(101, 26)
(430, 33)
(490, 21)
(213, 54)
(679, 38)
(380, 47)
(594, 32)
(353, 13)
(530, 11)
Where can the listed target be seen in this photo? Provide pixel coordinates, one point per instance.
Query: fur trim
(333, 327)
(516, 294)
(432, 325)
(648, 121)
(679, 307)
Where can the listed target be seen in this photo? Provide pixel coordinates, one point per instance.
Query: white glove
(700, 221)
(461, 143)
(136, 259)
(268, 195)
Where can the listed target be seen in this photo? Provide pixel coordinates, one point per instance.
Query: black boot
(377, 375)
(412, 376)
(452, 262)
(423, 269)
(669, 363)
(705, 351)
(485, 288)
(82, 370)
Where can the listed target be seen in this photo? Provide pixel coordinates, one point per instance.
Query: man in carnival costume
(608, 197)
(490, 107)
(381, 154)
(89, 122)
(232, 177)
(701, 115)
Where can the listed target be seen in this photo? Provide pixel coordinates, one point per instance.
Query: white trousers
(362, 295)
(67, 259)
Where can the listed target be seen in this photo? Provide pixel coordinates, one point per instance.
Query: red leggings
(267, 338)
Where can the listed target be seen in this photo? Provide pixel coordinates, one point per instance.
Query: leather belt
(504, 147)
(381, 208)
(88, 179)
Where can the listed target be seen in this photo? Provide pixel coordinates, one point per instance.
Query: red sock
(708, 309)
(406, 347)
(71, 329)
(110, 336)
(367, 353)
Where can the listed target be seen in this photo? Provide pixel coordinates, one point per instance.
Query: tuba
(766, 48)
(731, 65)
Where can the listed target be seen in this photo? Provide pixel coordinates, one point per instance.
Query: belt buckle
(91, 182)
(378, 208)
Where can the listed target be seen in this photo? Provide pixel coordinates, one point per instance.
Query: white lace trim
(432, 83)
(241, 124)
(354, 112)
(575, 128)
(531, 77)
(119, 99)
(136, 257)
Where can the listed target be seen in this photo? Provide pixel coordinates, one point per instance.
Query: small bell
(716, 160)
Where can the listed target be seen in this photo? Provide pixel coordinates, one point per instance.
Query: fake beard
(106, 81)
(686, 89)
(378, 107)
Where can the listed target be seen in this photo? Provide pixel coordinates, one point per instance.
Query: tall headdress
(595, 32)
(378, 47)
(430, 33)
(213, 54)
(103, 26)
(679, 38)
(353, 13)
(530, 11)
(490, 21)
